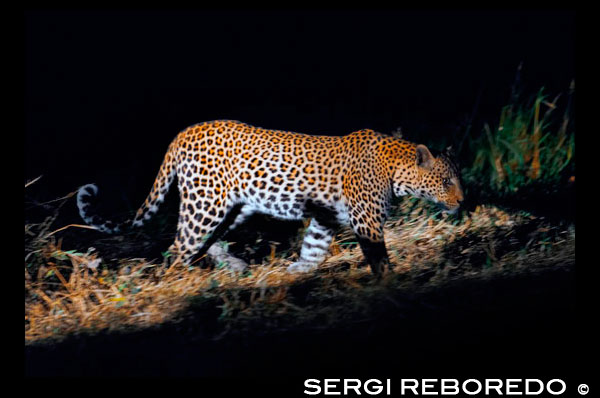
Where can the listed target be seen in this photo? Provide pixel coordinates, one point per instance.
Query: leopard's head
(434, 178)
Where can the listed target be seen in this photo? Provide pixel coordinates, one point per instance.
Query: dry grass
(70, 292)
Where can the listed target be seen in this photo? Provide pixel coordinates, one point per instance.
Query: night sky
(106, 92)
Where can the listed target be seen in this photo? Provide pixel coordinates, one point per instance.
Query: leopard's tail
(161, 185)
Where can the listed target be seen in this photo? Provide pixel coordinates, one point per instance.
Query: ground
(471, 285)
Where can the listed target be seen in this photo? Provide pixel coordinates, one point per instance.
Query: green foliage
(533, 142)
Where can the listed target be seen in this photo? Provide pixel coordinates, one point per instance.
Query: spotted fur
(227, 170)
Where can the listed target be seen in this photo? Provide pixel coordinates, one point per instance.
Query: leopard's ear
(424, 158)
(449, 151)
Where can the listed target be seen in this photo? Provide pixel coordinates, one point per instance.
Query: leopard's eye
(446, 181)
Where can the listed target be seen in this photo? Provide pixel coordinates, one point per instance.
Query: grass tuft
(533, 142)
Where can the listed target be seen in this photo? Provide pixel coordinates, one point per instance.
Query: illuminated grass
(532, 143)
(72, 290)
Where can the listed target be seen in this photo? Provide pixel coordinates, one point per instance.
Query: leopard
(227, 170)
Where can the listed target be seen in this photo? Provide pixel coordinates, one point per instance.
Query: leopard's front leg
(315, 247)
(375, 255)
(368, 227)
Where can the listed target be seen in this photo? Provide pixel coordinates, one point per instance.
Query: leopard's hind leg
(218, 251)
(198, 222)
(199, 229)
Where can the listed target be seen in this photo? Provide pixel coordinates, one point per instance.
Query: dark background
(106, 91)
